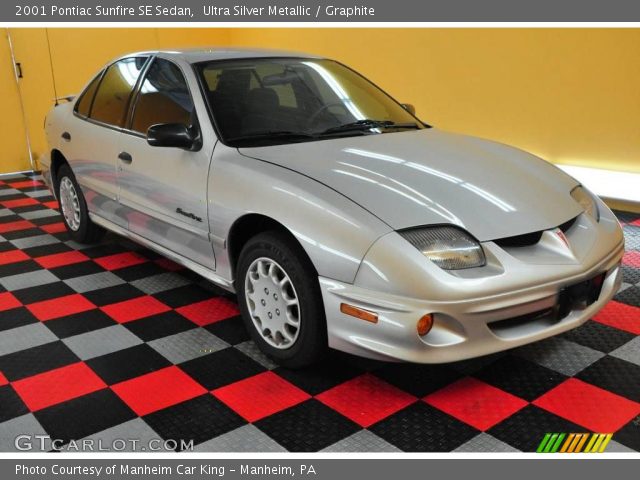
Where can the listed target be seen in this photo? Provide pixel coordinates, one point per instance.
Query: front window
(270, 101)
(164, 98)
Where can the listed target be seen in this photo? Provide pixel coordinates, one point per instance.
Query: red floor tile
(15, 226)
(592, 407)
(260, 396)
(620, 315)
(56, 386)
(157, 390)
(61, 259)
(8, 301)
(120, 260)
(13, 256)
(134, 309)
(54, 228)
(366, 399)
(52, 204)
(168, 264)
(20, 202)
(209, 311)
(26, 184)
(3, 380)
(632, 258)
(474, 402)
(59, 307)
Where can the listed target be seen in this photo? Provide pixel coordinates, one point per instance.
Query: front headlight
(448, 247)
(587, 201)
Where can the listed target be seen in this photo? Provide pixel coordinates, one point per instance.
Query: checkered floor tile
(112, 341)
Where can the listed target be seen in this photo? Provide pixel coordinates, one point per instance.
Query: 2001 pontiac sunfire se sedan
(337, 216)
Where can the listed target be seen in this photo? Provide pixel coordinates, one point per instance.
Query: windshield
(270, 101)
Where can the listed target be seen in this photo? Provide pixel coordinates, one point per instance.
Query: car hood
(425, 177)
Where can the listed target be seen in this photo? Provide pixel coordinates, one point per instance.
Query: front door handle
(125, 157)
(66, 136)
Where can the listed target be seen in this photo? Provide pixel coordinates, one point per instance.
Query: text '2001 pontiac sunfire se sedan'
(338, 217)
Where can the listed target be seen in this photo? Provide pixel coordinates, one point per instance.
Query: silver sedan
(338, 217)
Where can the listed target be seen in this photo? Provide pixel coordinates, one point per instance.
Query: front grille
(520, 240)
(528, 239)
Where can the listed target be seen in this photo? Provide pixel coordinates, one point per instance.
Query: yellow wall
(569, 95)
(15, 155)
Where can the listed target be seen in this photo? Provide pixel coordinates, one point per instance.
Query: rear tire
(73, 207)
(280, 300)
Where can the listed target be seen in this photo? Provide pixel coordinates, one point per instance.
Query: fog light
(360, 313)
(424, 324)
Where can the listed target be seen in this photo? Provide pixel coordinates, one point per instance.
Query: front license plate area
(579, 295)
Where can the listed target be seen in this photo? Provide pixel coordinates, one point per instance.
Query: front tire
(73, 207)
(280, 300)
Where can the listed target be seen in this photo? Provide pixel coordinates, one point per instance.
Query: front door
(164, 189)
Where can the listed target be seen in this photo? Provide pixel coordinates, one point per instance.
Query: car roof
(195, 55)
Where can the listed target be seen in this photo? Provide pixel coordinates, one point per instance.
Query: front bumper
(475, 316)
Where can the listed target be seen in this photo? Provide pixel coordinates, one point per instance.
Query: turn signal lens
(365, 315)
(424, 324)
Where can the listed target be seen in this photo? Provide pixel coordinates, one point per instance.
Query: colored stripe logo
(574, 442)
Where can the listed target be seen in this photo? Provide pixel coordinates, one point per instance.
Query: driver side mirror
(409, 108)
(171, 135)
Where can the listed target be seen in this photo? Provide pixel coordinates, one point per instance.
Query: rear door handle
(125, 157)
(66, 136)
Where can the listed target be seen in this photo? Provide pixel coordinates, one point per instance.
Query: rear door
(164, 189)
(91, 137)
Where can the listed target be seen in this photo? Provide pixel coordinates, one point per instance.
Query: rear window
(112, 98)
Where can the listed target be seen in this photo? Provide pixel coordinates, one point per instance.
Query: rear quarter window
(114, 92)
(83, 104)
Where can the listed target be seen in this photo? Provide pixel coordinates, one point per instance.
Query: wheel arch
(57, 160)
(252, 224)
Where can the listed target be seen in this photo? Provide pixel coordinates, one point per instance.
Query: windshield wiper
(275, 134)
(367, 124)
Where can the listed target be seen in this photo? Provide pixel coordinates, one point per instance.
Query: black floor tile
(79, 323)
(179, 297)
(423, 428)
(629, 435)
(221, 368)
(231, 330)
(115, 294)
(32, 361)
(318, 378)
(199, 419)
(418, 380)
(599, 336)
(308, 427)
(84, 416)
(158, 326)
(16, 317)
(76, 270)
(128, 363)
(40, 293)
(11, 405)
(615, 375)
(520, 377)
(526, 428)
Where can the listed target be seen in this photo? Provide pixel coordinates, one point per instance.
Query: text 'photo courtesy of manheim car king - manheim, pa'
(338, 217)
